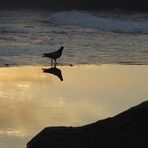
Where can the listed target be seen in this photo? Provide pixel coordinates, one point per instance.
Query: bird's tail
(45, 55)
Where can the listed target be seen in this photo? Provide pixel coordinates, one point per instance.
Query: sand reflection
(31, 100)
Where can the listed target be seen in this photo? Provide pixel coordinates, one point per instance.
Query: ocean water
(95, 42)
(89, 37)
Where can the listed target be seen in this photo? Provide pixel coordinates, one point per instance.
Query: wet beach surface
(88, 37)
(34, 97)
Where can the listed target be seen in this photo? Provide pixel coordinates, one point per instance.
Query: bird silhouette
(55, 71)
(54, 55)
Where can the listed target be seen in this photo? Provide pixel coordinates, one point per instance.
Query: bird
(54, 55)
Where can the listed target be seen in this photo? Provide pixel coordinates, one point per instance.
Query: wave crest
(101, 23)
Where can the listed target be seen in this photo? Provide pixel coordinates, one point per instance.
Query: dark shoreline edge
(71, 65)
(128, 129)
(77, 4)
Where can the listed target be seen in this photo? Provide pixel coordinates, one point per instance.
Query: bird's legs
(51, 62)
(55, 61)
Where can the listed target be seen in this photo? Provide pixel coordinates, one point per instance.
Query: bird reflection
(55, 71)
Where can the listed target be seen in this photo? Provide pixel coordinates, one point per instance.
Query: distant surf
(111, 23)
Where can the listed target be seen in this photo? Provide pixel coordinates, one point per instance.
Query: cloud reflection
(31, 100)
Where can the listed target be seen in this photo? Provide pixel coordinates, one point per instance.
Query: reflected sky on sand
(31, 99)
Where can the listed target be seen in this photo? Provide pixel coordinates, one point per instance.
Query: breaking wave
(109, 24)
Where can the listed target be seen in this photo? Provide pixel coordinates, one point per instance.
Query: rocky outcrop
(125, 130)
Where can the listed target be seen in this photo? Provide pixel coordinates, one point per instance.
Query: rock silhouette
(125, 130)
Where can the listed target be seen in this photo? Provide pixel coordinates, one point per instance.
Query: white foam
(111, 24)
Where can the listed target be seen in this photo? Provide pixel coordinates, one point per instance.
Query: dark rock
(125, 130)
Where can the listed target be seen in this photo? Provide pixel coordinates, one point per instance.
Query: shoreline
(72, 65)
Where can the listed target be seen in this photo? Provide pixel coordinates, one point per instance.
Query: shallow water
(30, 100)
(88, 37)
(72, 95)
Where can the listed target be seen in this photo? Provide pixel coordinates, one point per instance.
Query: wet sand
(31, 99)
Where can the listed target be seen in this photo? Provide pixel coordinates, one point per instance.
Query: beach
(102, 71)
(32, 100)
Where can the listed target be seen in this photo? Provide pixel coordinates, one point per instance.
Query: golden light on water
(31, 100)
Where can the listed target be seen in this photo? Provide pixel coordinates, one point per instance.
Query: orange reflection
(31, 99)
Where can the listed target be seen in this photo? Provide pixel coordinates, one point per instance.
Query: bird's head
(61, 48)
